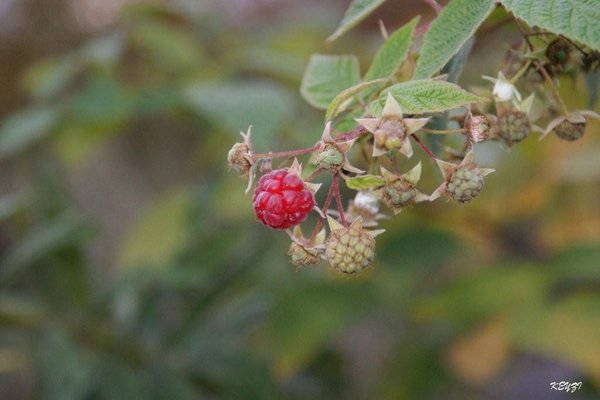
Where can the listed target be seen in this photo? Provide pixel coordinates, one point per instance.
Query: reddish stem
(352, 134)
(424, 147)
(326, 204)
(286, 154)
(338, 198)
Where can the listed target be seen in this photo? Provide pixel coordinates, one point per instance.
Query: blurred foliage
(197, 301)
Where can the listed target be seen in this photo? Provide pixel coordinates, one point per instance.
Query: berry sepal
(463, 181)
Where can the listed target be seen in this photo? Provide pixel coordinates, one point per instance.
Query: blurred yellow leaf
(482, 353)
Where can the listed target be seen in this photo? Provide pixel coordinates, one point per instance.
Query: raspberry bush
(409, 100)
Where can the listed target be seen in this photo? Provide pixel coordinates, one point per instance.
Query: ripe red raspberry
(282, 200)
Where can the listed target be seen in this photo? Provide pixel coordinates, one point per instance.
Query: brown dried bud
(559, 51)
(570, 131)
(239, 158)
(480, 126)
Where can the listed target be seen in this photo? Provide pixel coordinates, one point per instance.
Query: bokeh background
(131, 266)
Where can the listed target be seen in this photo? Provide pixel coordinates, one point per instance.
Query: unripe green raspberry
(399, 194)
(350, 250)
(466, 183)
(514, 126)
(330, 157)
(391, 133)
(570, 131)
(301, 255)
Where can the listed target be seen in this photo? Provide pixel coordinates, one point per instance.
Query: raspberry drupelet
(282, 200)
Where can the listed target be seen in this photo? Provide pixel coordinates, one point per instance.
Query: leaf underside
(576, 19)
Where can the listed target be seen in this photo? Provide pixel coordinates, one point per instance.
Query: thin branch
(424, 147)
(338, 198)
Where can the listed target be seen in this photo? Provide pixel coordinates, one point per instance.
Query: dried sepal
(333, 155)
(463, 181)
(241, 158)
(400, 191)
(306, 251)
(570, 127)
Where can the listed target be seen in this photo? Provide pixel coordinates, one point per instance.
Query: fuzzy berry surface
(514, 126)
(350, 251)
(282, 200)
(465, 184)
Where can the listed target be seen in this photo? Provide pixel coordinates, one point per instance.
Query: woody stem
(424, 147)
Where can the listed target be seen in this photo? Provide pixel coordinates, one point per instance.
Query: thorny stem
(338, 198)
(424, 147)
(443, 131)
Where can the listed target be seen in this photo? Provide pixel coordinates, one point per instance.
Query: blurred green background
(131, 266)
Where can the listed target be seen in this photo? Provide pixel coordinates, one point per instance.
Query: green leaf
(170, 46)
(326, 76)
(364, 182)
(158, 234)
(48, 78)
(421, 96)
(496, 290)
(576, 19)
(393, 52)
(456, 23)
(319, 310)
(338, 103)
(63, 373)
(10, 204)
(39, 243)
(25, 128)
(357, 11)
(237, 105)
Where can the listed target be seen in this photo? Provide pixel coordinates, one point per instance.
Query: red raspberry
(281, 200)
